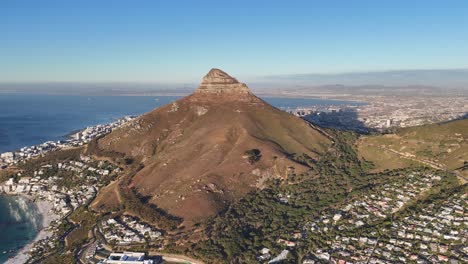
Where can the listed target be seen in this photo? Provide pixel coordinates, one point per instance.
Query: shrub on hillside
(252, 155)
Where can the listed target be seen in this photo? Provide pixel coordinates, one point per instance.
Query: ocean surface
(19, 224)
(27, 120)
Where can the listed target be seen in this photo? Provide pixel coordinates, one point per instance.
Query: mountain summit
(217, 81)
(217, 76)
(218, 86)
(204, 151)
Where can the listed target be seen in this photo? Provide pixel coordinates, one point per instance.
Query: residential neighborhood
(78, 139)
(128, 230)
(65, 196)
(65, 186)
(365, 228)
(358, 235)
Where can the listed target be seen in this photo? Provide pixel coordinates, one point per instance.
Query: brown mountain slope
(193, 150)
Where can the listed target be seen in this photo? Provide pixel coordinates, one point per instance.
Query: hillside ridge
(196, 153)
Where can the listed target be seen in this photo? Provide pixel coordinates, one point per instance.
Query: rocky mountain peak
(219, 82)
(218, 76)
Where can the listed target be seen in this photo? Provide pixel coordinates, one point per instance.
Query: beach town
(55, 197)
(79, 138)
(60, 190)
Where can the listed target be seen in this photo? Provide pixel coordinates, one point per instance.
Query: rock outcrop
(218, 82)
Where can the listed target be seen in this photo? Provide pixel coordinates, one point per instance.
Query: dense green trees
(260, 218)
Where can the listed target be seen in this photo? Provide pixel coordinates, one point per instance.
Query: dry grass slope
(443, 144)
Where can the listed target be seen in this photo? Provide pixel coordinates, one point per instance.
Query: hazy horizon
(451, 79)
(331, 42)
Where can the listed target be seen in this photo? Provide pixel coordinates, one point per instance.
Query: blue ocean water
(32, 119)
(27, 120)
(19, 224)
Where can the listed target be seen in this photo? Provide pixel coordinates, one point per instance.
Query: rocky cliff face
(220, 84)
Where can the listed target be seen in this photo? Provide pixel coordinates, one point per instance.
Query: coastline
(44, 214)
(44, 208)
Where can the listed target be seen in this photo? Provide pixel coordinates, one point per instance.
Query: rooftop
(127, 258)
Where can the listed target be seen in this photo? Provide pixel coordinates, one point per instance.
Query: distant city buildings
(382, 113)
(77, 139)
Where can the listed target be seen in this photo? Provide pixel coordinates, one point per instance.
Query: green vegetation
(431, 203)
(282, 209)
(59, 259)
(383, 160)
(51, 158)
(444, 144)
(439, 193)
(5, 175)
(48, 165)
(260, 218)
(85, 221)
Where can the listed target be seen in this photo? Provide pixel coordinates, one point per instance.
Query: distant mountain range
(403, 82)
(449, 78)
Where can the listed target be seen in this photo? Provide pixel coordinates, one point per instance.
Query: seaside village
(78, 139)
(67, 186)
(46, 184)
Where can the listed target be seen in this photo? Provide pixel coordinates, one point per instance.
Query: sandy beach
(45, 210)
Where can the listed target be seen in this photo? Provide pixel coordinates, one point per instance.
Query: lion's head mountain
(200, 153)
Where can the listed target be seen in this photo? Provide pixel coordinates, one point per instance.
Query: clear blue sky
(179, 41)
